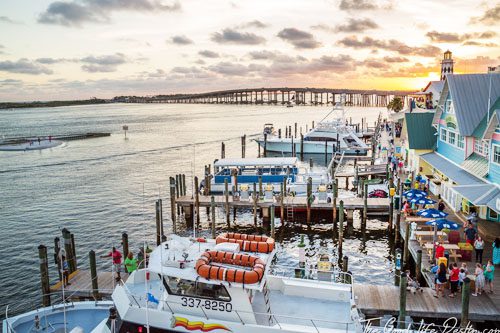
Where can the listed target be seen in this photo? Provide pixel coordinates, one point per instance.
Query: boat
(327, 136)
(242, 173)
(210, 285)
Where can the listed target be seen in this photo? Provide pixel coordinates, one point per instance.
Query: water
(99, 188)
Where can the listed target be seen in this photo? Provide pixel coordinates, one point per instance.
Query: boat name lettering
(206, 304)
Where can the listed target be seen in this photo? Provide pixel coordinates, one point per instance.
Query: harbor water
(99, 188)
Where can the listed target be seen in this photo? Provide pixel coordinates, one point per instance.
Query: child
(489, 274)
(413, 285)
(461, 276)
(479, 273)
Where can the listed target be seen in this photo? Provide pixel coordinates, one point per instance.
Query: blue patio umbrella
(444, 224)
(414, 193)
(431, 212)
(422, 201)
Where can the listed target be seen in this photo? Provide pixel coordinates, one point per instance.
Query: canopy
(422, 201)
(444, 224)
(264, 161)
(414, 194)
(431, 212)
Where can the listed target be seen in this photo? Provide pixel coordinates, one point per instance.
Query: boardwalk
(81, 285)
(384, 300)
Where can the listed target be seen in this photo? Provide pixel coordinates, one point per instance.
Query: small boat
(271, 171)
(329, 135)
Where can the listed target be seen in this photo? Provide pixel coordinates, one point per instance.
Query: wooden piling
(243, 145)
(177, 188)
(226, 194)
(173, 192)
(158, 221)
(57, 249)
(464, 316)
(73, 250)
(341, 226)
(295, 130)
(282, 201)
(418, 266)
(260, 187)
(212, 208)
(183, 184)
(335, 194)
(402, 300)
(222, 150)
(67, 248)
(93, 274)
(391, 213)
(301, 147)
(255, 197)
(293, 149)
(309, 200)
(406, 252)
(365, 201)
(279, 133)
(44, 274)
(197, 201)
(272, 221)
(326, 152)
(125, 245)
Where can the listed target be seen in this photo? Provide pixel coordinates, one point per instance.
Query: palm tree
(396, 104)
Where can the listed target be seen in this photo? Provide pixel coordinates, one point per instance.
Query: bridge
(283, 96)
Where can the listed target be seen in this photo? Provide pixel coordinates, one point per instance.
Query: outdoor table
(423, 236)
(452, 249)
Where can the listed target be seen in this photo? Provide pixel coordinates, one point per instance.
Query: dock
(62, 137)
(80, 287)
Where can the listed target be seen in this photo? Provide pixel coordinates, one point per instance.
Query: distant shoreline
(22, 105)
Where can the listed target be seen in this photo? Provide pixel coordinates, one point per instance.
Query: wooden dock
(375, 205)
(376, 300)
(364, 170)
(62, 137)
(81, 285)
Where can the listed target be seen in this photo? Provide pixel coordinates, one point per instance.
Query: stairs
(289, 209)
(267, 301)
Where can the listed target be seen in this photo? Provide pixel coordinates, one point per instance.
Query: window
(449, 107)
(478, 146)
(181, 287)
(493, 215)
(451, 138)
(443, 135)
(486, 148)
(496, 154)
(460, 142)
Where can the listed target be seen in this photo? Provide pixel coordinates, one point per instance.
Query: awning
(479, 195)
(494, 204)
(451, 170)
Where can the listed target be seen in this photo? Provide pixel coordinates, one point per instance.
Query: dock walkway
(80, 286)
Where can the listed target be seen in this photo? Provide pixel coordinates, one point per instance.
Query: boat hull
(310, 147)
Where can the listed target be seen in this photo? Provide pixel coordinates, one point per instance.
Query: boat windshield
(182, 287)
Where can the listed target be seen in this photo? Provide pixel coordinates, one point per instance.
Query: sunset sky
(84, 48)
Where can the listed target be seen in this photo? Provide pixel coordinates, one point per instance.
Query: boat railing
(277, 319)
(309, 273)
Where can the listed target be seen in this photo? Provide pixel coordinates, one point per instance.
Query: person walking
(454, 279)
(470, 234)
(479, 247)
(489, 275)
(461, 277)
(117, 261)
(441, 205)
(479, 273)
(496, 252)
(130, 263)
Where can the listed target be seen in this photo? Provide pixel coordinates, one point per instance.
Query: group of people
(130, 263)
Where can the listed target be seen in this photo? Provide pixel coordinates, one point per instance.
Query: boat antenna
(145, 263)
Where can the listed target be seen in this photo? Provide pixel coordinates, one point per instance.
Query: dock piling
(272, 221)
(67, 248)
(125, 245)
(309, 200)
(158, 221)
(406, 253)
(57, 249)
(212, 208)
(226, 195)
(44, 274)
(464, 316)
(418, 266)
(243, 145)
(365, 201)
(197, 201)
(402, 300)
(265, 145)
(222, 150)
(73, 250)
(341, 226)
(345, 269)
(255, 198)
(301, 147)
(93, 274)
(174, 192)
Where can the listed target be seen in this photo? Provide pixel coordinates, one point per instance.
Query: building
(461, 169)
(446, 65)
(418, 137)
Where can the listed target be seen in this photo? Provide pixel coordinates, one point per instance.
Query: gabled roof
(494, 120)
(438, 85)
(476, 165)
(421, 134)
(451, 170)
(470, 93)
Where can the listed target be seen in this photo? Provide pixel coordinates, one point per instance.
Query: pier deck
(81, 284)
(375, 205)
(376, 300)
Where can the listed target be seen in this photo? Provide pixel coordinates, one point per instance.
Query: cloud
(298, 38)
(363, 5)
(51, 61)
(451, 37)
(490, 17)
(396, 59)
(323, 27)
(474, 43)
(231, 36)
(5, 19)
(209, 54)
(181, 40)
(103, 64)
(230, 69)
(391, 45)
(375, 63)
(262, 55)
(254, 24)
(357, 25)
(75, 13)
(478, 64)
(24, 66)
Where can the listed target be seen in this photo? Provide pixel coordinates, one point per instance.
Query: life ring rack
(249, 243)
(205, 269)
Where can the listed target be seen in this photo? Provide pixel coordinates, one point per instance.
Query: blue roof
(451, 170)
(479, 194)
(470, 93)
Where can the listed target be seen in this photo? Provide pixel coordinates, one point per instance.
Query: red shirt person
(439, 250)
(117, 259)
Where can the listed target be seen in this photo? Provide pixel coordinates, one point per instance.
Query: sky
(79, 49)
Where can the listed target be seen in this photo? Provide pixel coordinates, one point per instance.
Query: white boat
(328, 135)
(271, 171)
(210, 286)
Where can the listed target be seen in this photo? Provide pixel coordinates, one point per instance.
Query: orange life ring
(205, 269)
(250, 243)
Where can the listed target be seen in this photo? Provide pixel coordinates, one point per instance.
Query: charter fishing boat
(334, 135)
(271, 172)
(227, 284)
